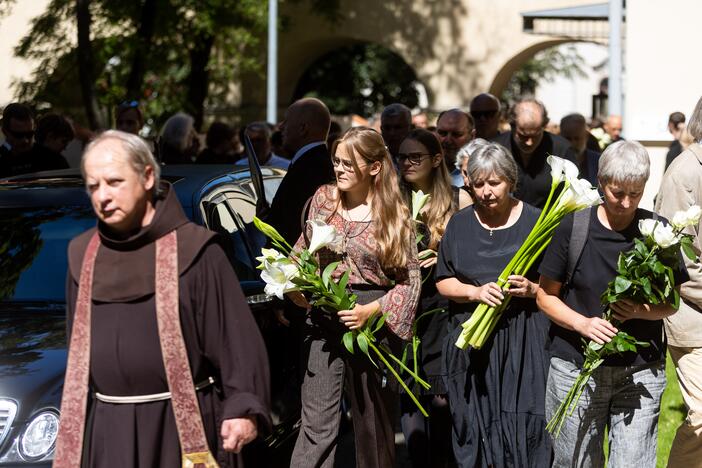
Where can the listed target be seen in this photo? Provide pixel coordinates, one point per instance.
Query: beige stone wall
(457, 48)
(662, 75)
(12, 28)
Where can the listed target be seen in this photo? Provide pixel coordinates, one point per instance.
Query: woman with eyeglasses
(496, 393)
(366, 206)
(421, 163)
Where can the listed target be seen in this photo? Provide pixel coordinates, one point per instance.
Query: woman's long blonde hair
(390, 213)
(440, 207)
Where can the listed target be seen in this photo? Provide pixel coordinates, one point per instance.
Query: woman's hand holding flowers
(596, 329)
(427, 258)
(355, 318)
(489, 293)
(519, 286)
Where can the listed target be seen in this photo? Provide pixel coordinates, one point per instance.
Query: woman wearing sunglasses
(366, 207)
(421, 163)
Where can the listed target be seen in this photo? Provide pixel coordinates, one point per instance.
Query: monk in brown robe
(221, 337)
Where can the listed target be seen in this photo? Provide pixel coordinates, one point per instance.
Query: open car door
(262, 206)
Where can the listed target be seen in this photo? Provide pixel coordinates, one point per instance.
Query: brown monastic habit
(221, 338)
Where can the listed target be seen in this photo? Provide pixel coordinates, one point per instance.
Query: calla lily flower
(278, 277)
(324, 235)
(571, 171)
(557, 168)
(419, 199)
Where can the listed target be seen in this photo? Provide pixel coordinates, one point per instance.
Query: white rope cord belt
(134, 399)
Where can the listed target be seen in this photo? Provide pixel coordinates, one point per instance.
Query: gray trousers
(626, 399)
(373, 398)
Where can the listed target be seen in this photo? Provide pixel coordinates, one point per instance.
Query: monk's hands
(238, 432)
(357, 317)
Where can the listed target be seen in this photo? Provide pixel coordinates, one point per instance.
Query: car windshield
(33, 250)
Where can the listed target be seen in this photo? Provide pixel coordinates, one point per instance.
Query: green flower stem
(396, 375)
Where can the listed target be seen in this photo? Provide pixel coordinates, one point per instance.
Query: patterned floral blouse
(403, 284)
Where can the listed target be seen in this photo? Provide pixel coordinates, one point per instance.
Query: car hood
(32, 356)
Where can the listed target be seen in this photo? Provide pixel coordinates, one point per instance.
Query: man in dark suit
(574, 129)
(530, 145)
(305, 130)
(18, 128)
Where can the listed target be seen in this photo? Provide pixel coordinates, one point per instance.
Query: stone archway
(361, 78)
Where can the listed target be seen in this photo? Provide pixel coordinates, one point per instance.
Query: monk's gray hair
(490, 158)
(624, 161)
(140, 156)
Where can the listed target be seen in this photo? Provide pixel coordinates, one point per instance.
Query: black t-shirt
(469, 253)
(534, 183)
(596, 268)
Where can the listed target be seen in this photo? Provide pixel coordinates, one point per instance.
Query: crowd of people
(488, 180)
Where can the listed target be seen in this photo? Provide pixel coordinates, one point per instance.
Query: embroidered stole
(191, 432)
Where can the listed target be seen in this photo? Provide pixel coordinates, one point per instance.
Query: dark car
(39, 215)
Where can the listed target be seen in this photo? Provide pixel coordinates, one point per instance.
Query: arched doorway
(361, 79)
(565, 74)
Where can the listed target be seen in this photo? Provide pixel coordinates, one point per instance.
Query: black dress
(496, 393)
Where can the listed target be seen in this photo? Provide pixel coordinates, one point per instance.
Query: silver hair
(139, 155)
(624, 161)
(396, 109)
(176, 130)
(490, 158)
(694, 126)
(468, 149)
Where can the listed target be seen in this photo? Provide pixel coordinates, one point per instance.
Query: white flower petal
(557, 168)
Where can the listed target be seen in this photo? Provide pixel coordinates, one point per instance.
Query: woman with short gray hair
(496, 393)
(624, 392)
(464, 154)
(179, 142)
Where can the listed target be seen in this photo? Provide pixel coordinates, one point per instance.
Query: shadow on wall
(421, 32)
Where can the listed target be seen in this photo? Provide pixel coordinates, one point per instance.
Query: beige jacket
(680, 189)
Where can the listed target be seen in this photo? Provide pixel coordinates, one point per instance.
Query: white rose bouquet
(644, 276)
(285, 270)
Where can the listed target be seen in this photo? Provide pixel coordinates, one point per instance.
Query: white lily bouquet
(576, 195)
(644, 276)
(286, 270)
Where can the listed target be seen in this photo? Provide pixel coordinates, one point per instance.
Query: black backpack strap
(578, 237)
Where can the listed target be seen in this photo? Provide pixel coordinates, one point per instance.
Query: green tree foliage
(169, 54)
(360, 79)
(544, 66)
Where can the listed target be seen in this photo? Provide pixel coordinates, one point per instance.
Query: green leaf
(348, 341)
(326, 275)
(658, 267)
(621, 284)
(640, 247)
(380, 323)
(689, 251)
(344, 280)
(362, 341)
(646, 284)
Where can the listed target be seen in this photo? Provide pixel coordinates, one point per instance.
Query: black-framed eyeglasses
(486, 114)
(20, 135)
(414, 159)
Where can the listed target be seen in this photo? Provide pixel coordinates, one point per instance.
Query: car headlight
(40, 435)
